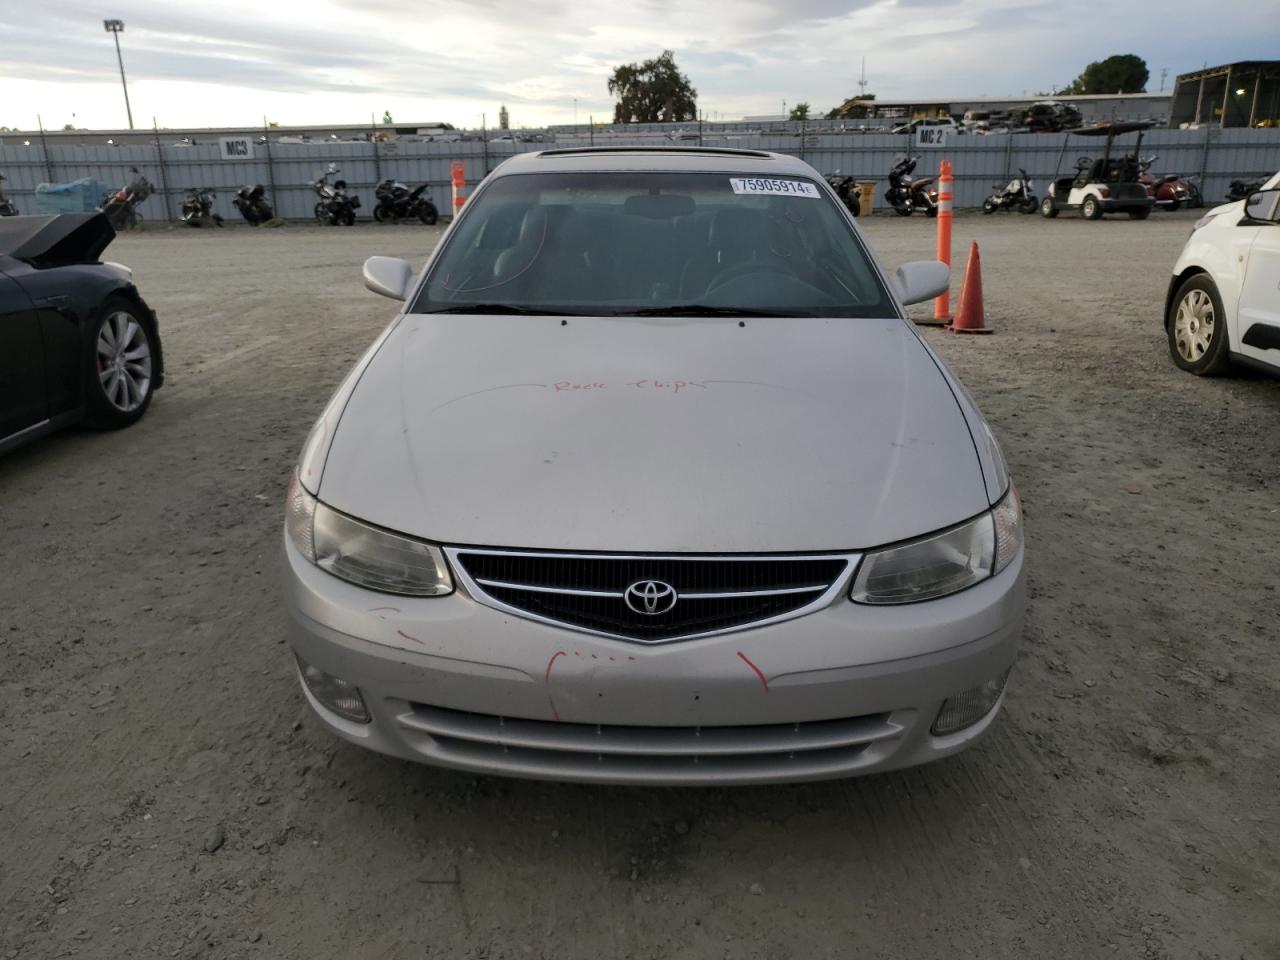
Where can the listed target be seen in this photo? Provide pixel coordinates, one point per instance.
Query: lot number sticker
(777, 188)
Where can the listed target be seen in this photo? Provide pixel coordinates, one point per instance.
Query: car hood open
(56, 241)
(654, 435)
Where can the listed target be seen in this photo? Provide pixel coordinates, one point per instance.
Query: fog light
(338, 695)
(967, 708)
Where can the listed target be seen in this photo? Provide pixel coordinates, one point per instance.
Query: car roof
(656, 158)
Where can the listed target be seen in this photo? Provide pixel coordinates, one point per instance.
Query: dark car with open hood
(78, 344)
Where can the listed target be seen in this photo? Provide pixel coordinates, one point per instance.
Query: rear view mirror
(388, 276)
(921, 280)
(659, 206)
(1263, 205)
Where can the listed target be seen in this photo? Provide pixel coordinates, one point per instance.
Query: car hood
(654, 435)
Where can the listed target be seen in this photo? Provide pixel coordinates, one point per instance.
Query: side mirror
(1263, 205)
(388, 276)
(921, 280)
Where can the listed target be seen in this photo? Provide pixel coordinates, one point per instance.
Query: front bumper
(848, 689)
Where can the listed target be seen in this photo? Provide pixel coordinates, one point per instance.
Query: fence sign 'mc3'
(235, 148)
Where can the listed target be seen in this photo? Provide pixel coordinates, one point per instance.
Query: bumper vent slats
(651, 599)
(636, 750)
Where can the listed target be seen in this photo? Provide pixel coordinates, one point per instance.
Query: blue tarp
(79, 196)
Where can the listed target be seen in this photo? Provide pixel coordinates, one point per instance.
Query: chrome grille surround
(791, 600)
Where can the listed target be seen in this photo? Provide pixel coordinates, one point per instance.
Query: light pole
(114, 27)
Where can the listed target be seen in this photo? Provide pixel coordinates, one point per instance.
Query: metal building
(1245, 94)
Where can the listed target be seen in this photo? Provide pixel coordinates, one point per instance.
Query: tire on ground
(100, 412)
(1216, 359)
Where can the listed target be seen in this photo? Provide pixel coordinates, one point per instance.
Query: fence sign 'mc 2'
(235, 148)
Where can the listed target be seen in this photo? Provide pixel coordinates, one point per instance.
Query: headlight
(365, 555)
(945, 562)
(1202, 222)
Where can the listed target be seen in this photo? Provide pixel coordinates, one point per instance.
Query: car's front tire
(1091, 209)
(122, 365)
(1048, 208)
(1197, 328)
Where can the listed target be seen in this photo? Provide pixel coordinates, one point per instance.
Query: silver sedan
(652, 481)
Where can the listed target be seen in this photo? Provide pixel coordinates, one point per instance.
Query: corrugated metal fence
(287, 170)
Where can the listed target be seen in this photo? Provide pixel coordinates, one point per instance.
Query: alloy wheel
(124, 361)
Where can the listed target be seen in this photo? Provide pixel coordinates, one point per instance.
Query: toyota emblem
(650, 597)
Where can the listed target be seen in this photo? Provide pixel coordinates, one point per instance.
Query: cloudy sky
(231, 62)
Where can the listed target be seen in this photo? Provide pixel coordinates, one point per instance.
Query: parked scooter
(906, 195)
(197, 208)
(252, 203)
(1241, 189)
(1018, 194)
(846, 189)
(1169, 192)
(335, 205)
(397, 202)
(121, 207)
(7, 209)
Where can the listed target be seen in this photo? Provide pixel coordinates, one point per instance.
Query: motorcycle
(121, 207)
(906, 195)
(252, 204)
(7, 209)
(1241, 189)
(197, 208)
(335, 205)
(397, 202)
(1195, 199)
(846, 189)
(1169, 192)
(1018, 194)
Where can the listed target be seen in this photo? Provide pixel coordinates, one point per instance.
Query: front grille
(650, 599)
(623, 752)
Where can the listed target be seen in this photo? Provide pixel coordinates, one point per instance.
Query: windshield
(653, 244)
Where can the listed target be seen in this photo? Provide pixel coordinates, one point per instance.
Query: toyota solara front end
(652, 481)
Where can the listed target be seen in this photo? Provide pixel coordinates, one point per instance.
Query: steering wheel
(1083, 162)
(726, 277)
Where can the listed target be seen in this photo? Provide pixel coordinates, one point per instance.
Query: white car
(1223, 303)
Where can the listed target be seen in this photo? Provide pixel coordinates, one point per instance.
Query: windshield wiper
(508, 308)
(704, 310)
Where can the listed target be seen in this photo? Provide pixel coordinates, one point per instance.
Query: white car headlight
(362, 554)
(943, 563)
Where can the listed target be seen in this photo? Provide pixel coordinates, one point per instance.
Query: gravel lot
(165, 793)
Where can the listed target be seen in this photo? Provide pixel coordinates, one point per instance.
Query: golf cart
(1105, 185)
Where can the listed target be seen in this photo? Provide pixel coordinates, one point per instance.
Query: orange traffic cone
(969, 317)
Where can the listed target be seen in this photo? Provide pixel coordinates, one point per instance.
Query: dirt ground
(165, 793)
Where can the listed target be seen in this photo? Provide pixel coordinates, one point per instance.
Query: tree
(800, 112)
(1121, 73)
(653, 91)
